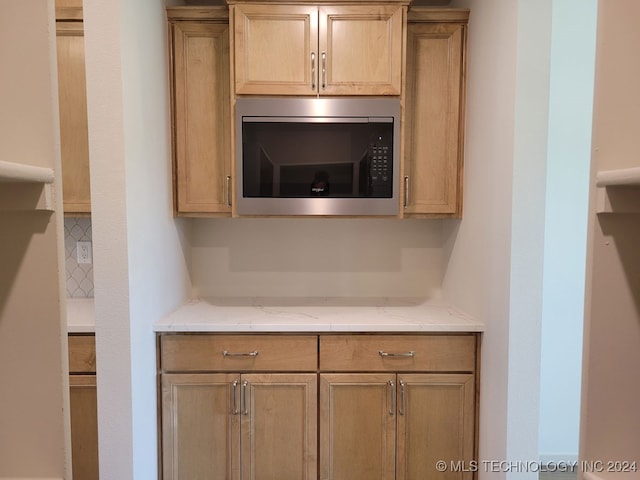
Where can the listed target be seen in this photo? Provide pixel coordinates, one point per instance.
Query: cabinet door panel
(273, 49)
(201, 117)
(279, 431)
(200, 434)
(434, 116)
(435, 422)
(74, 136)
(363, 47)
(357, 427)
(83, 406)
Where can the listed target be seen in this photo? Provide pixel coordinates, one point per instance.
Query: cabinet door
(435, 422)
(276, 49)
(361, 50)
(201, 118)
(357, 426)
(434, 120)
(200, 433)
(279, 426)
(74, 137)
(83, 405)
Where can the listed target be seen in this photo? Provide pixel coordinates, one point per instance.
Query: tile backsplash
(79, 275)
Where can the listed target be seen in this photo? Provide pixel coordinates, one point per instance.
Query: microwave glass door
(350, 158)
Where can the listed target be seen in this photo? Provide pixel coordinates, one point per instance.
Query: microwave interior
(293, 159)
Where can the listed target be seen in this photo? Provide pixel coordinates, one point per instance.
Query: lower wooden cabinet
(83, 407)
(415, 404)
(227, 426)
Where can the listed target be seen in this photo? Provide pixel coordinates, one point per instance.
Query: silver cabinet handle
(235, 403)
(392, 397)
(324, 70)
(406, 192)
(228, 190)
(240, 354)
(245, 409)
(313, 70)
(403, 354)
(402, 404)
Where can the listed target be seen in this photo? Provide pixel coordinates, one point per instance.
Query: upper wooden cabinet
(200, 110)
(74, 137)
(434, 115)
(306, 49)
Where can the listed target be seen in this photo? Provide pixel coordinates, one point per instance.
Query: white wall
(317, 257)
(494, 269)
(569, 146)
(140, 264)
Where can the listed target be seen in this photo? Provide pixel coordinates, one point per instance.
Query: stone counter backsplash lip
(318, 315)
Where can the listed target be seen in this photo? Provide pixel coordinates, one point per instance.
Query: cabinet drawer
(426, 353)
(238, 352)
(82, 354)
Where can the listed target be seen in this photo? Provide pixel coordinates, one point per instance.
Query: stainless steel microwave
(317, 156)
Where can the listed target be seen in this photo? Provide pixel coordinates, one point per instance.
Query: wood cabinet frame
(399, 388)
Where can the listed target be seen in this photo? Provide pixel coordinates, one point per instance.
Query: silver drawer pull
(246, 354)
(404, 354)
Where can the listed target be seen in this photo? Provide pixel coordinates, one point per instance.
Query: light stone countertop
(80, 315)
(317, 315)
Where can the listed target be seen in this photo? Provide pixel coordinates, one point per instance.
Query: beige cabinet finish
(200, 111)
(357, 426)
(380, 406)
(238, 425)
(436, 421)
(318, 50)
(278, 417)
(434, 116)
(83, 404)
(74, 136)
(200, 435)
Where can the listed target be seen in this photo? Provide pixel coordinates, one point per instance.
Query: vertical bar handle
(392, 397)
(313, 70)
(324, 70)
(401, 409)
(406, 192)
(234, 393)
(245, 409)
(228, 185)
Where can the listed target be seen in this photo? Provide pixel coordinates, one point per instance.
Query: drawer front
(410, 353)
(238, 352)
(82, 354)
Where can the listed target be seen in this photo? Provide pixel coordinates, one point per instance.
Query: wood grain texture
(434, 119)
(74, 134)
(82, 354)
(435, 422)
(279, 429)
(205, 352)
(200, 435)
(201, 117)
(432, 353)
(83, 405)
(357, 427)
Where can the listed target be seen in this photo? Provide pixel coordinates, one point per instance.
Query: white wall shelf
(25, 187)
(618, 191)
